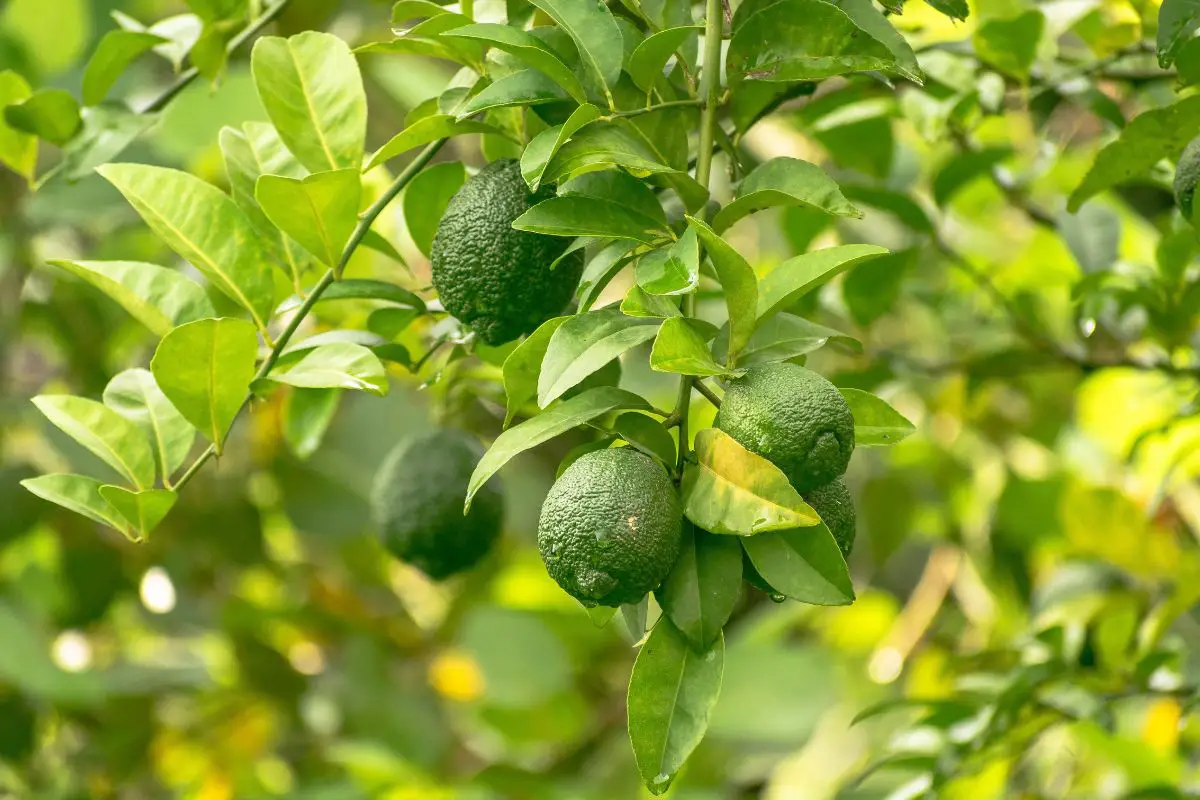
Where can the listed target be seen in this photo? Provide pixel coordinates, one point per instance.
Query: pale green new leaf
(142, 510)
(730, 490)
(876, 423)
(700, 592)
(681, 349)
(312, 90)
(135, 395)
(80, 494)
(798, 276)
(341, 365)
(584, 344)
(785, 182)
(307, 415)
(578, 410)
(528, 48)
(428, 129)
(116, 51)
(155, 296)
(524, 364)
(578, 215)
(543, 147)
(671, 270)
(205, 368)
(319, 211)
(672, 692)
(650, 57)
(596, 35)
(114, 439)
(640, 303)
(525, 88)
(738, 281)
(206, 228)
(804, 564)
(785, 336)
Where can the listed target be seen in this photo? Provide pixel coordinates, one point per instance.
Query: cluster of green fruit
(612, 524)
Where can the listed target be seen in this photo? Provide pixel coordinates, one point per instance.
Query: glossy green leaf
(785, 336)
(650, 57)
(798, 276)
(785, 182)
(18, 150)
(525, 88)
(648, 435)
(526, 47)
(804, 564)
(143, 510)
(543, 147)
(114, 439)
(576, 215)
(1148, 138)
(1011, 45)
(699, 594)
(672, 692)
(50, 114)
(368, 289)
(77, 493)
(157, 297)
(310, 86)
(681, 349)
(319, 211)
(425, 130)
(876, 424)
(524, 364)
(571, 413)
(596, 35)
(135, 395)
(673, 269)
(307, 415)
(341, 365)
(389, 323)
(730, 490)
(336, 336)
(1177, 21)
(737, 280)
(617, 186)
(116, 51)
(416, 9)
(801, 40)
(601, 270)
(425, 200)
(584, 344)
(205, 368)
(605, 144)
(640, 303)
(871, 20)
(205, 227)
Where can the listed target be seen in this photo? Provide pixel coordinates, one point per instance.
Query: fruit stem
(328, 279)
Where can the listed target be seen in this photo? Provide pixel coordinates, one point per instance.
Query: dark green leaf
(1177, 21)
(785, 336)
(617, 186)
(596, 35)
(700, 592)
(784, 182)
(871, 20)
(542, 148)
(871, 290)
(954, 9)
(528, 48)
(899, 205)
(804, 564)
(647, 434)
(524, 364)
(577, 215)
(584, 344)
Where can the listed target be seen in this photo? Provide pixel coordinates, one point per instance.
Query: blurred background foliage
(1026, 564)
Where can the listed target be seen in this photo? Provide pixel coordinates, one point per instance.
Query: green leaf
(205, 227)
(50, 114)
(405, 10)
(388, 323)
(617, 186)
(730, 490)
(142, 510)
(872, 289)
(107, 131)
(798, 276)
(1093, 236)
(1177, 21)
(342, 365)
(426, 198)
(899, 205)
(584, 344)
(804, 564)
(672, 692)
(738, 281)
(528, 48)
(577, 215)
(648, 435)
(367, 289)
(1149, 138)
(157, 297)
(876, 424)
(639, 303)
(319, 211)
(783, 337)
(205, 368)
(601, 270)
(571, 413)
(954, 9)
(116, 51)
(336, 336)
(963, 168)
(596, 35)
(18, 150)
(111, 437)
(307, 415)
(525, 88)
(1010, 45)
(801, 40)
(673, 269)
(681, 349)
(425, 130)
(699, 594)
(785, 182)
(650, 57)
(135, 395)
(310, 86)
(605, 144)
(543, 147)
(871, 20)
(524, 364)
(77, 493)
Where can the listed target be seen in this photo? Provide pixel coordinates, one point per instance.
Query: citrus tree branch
(691, 102)
(328, 279)
(708, 393)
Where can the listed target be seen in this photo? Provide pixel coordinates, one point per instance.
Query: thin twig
(691, 102)
(708, 393)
